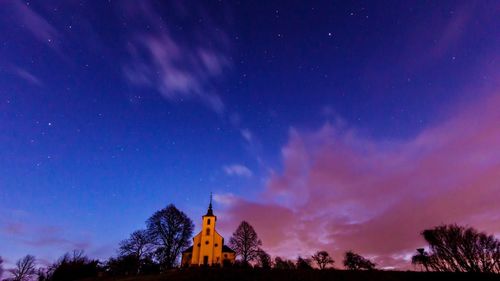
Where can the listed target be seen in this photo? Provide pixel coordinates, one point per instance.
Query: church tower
(208, 246)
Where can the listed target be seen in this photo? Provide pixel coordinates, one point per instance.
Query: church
(208, 246)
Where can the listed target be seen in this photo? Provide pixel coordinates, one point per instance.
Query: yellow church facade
(208, 246)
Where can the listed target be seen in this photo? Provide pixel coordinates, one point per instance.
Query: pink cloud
(13, 228)
(342, 191)
(168, 64)
(37, 236)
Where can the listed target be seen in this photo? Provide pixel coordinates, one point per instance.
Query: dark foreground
(235, 274)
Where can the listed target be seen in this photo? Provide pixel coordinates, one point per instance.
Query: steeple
(209, 211)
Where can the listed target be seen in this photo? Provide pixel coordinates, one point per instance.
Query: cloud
(247, 135)
(340, 190)
(53, 237)
(24, 74)
(179, 67)
(237, 170)
(38, 26)
(225, 199)
(39, 238)
(13, 228)
(454, 30)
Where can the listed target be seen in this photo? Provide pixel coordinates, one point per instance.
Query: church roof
(227, 249)
(210, 212)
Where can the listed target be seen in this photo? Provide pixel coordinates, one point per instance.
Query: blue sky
(111, 110)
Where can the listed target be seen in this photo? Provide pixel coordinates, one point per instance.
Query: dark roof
(210, 212)
(188, 250)
(227, 249)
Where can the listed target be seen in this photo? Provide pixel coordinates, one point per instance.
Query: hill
(238, 274)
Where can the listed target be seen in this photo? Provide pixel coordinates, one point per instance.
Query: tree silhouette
(245, 242)
(73, 266)
(123, 265)
(170, 230)
(263, 259)
(24, 270)
(353, 261)
(421, 258)
(462, 249)
(322, 259)
(303, 263)
(134, 249)
(139, 244)
(1, 267)
(283, 264)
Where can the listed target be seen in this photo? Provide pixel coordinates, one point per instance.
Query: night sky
(326, 124)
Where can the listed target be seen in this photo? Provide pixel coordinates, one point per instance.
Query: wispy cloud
(237, 170)
(13, 228)
(41, 236)
(225, 198)
(177, 68)
(340, 190)
(247, 135)
(58, 241)
(37, 25)
(24, 74)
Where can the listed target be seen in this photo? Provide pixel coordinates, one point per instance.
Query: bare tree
(421, 258)
(71, 266)
(134, 250)
(462, 249)
(24, 270)
(138, 245)
(42, 274)
(245, 242)
(264, 259)
(171, 230)
(353, 261)
(322, 259)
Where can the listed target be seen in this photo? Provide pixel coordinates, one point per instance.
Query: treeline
(458, 249)
(157, 248)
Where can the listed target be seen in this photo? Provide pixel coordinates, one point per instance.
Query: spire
(210, 205)
(209, 211)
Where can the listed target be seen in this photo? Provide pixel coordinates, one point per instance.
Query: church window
(208, 231)
(206, 242)
(199, 244)
(208, 221)
(216, 245)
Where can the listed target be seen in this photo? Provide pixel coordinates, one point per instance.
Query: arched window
(208, 221)
(208, 231)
